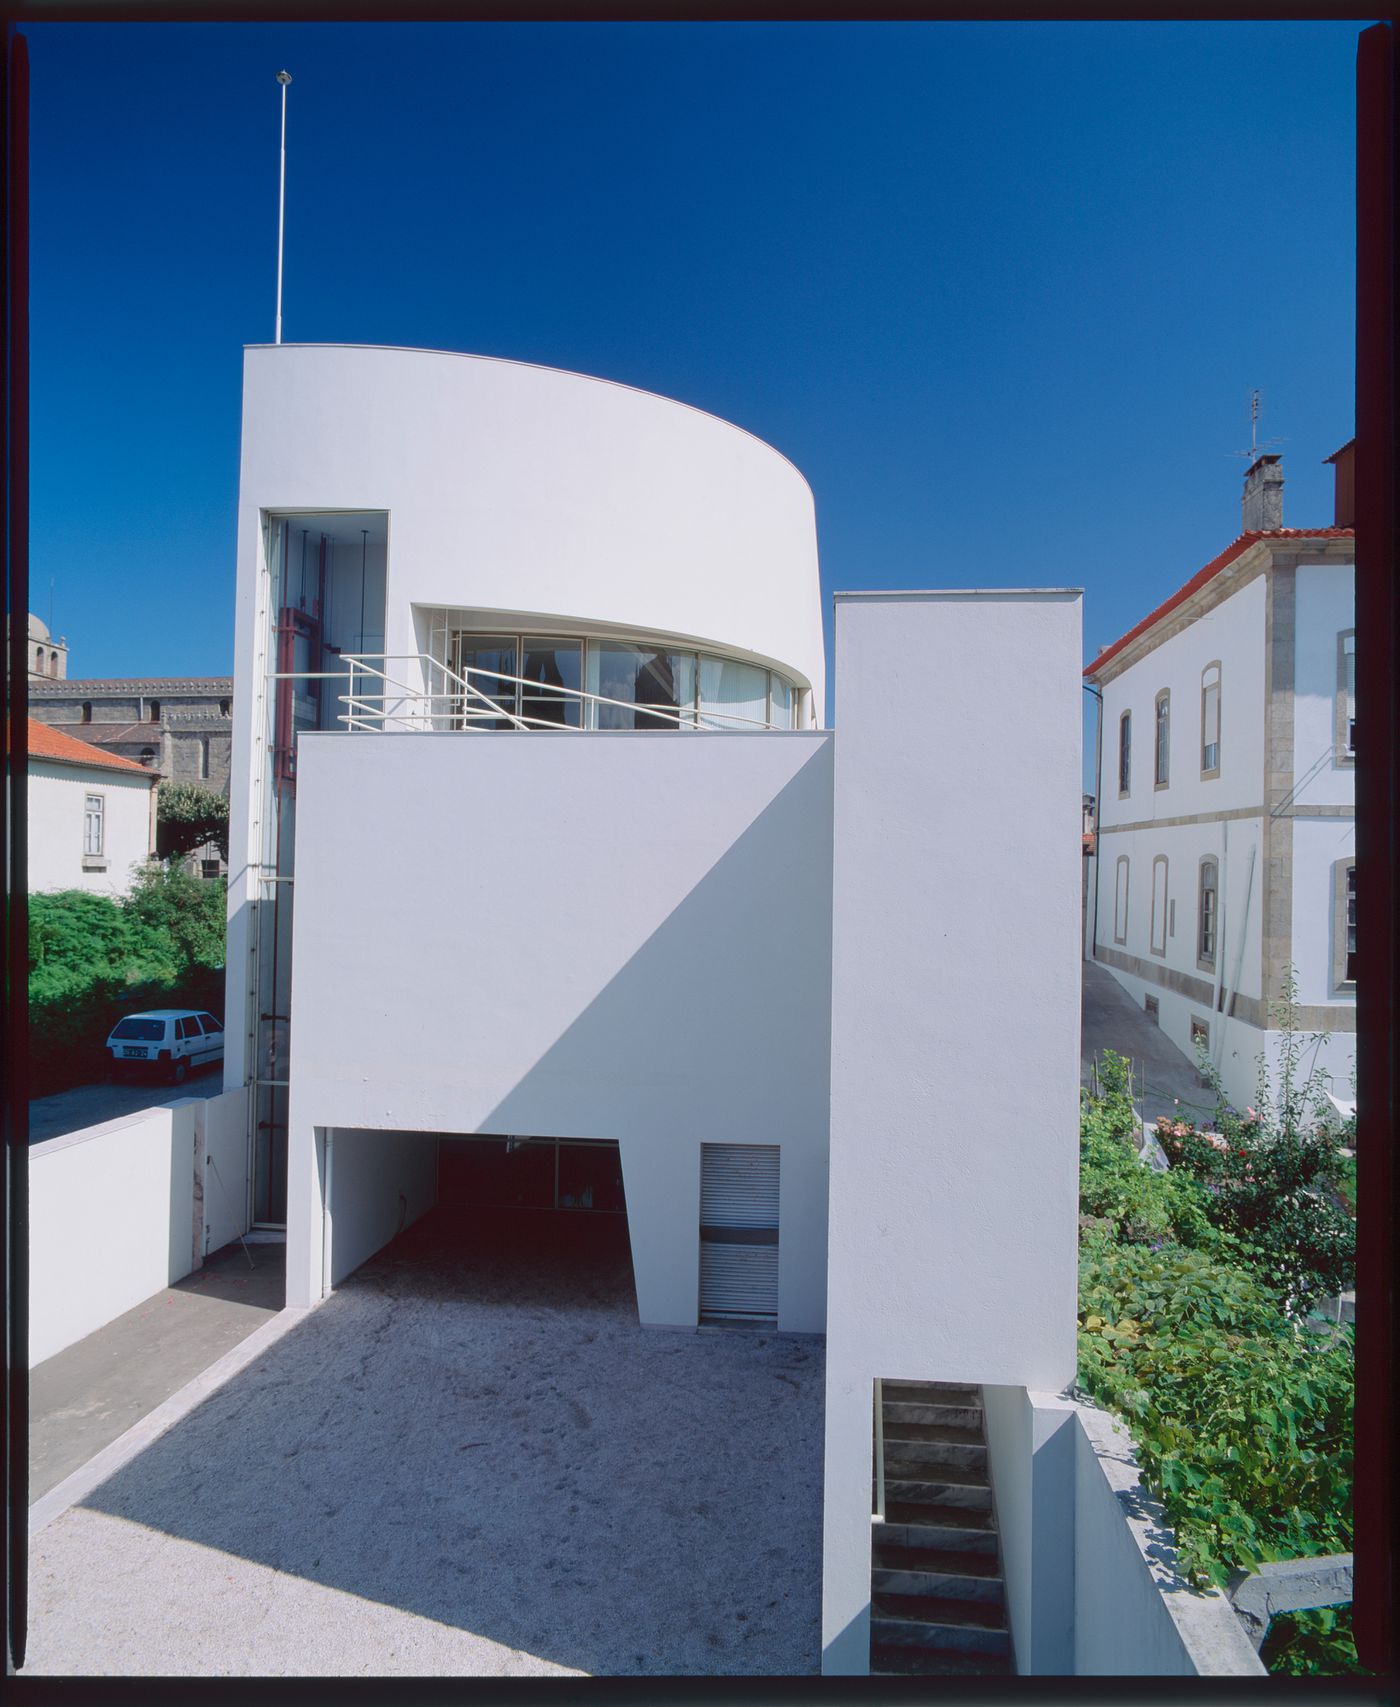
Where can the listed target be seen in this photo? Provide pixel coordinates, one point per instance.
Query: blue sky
(1000, 291)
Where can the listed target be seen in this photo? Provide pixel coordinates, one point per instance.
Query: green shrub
(92, 959)
(187, 817)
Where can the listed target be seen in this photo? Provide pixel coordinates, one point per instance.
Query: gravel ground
(469, 1461)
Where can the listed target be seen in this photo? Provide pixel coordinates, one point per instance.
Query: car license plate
(135, 1054)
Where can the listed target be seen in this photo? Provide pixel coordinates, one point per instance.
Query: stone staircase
(937, 1599)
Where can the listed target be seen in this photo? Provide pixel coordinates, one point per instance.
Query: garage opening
(514, 1220)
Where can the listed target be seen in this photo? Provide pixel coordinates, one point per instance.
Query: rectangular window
(1345, 719)
(1210, 721)
(548, 667)
(1206, 912)
(642, 676)
(1120, 899)
(1125, 752)
(1200, 1032)
(1153, 1009)
(1157, 939)
(1344, 925)
(93, 813)
(1162, 740)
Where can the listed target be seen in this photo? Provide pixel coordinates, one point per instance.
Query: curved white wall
(526, 489)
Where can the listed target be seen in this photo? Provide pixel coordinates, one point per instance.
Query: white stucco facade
(74, 845)
(1275, 813)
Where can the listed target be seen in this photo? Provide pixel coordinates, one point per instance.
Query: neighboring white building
(91, 815)
(1226, 836)
(743, 978)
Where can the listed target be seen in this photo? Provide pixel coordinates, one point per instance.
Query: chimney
(1344, 468)
(1261, 508)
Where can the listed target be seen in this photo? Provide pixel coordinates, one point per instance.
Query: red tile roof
(46, 742)
(1211, 570)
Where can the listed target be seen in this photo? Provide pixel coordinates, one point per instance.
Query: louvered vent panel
(739, 1185)
(739, 1282)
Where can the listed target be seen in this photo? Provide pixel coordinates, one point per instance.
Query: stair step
(931, 1393)
(934, 1410)
(889, 1555)
(929, 1434)
(906, 1491)
(949, 1529)
(936, 1454)
(961, 1638)
(898, 1468)
(933, 1609)
(900, 1660)
(938, 1585)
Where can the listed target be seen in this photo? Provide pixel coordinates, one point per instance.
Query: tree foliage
(187, 817)
(93, 958)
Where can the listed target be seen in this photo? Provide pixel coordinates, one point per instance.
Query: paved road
(1111, 1019)
(90, 1105)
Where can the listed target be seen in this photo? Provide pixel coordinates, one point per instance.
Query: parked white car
(173, 1040)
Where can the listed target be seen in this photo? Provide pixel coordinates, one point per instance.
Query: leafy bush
(1189, 1328)
(1243, 1421)
(92, 958)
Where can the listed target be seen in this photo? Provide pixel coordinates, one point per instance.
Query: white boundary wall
(955, 1023)
(1092, 1579)
(616, 935)
(115, 1216)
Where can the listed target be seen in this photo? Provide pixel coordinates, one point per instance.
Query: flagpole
(284, 78)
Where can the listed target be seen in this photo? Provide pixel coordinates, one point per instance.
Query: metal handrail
(879, 1514)
(428, 704)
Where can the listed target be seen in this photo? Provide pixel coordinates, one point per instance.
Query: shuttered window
(739, 1232)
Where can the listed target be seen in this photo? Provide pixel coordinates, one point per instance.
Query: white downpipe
(1220, 915)
(1230, 990)
(326, 1215)
(879, 1450)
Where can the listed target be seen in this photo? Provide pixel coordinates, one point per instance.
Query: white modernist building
(1226, 850)
(538, 845)
(91, 815)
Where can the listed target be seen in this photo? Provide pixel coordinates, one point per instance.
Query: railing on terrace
(477, 699)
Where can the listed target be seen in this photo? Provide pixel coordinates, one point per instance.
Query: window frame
(1122, 876)
(1344, 705)
(1209, 771)
(1125, 754)
(1154, 920)
(1343, 903)
(1162, 739)
(1206, 962)
(94, 812)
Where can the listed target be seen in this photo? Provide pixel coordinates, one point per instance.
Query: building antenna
(1257, 447)
(284, 78)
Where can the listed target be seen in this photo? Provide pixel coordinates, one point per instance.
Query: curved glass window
(513, 681)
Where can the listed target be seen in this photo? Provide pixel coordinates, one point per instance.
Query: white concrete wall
(381, 1182)
(1326, 607)
(955, 1023)
(1234, 633)
(1031, 1456)
(111, 1221)
(617, 935)
(56, 801)
(224, 1128)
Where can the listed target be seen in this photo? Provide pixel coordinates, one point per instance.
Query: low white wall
(225, 1177)
(381, 1182)
(111, 1221)
(1135, 1615)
